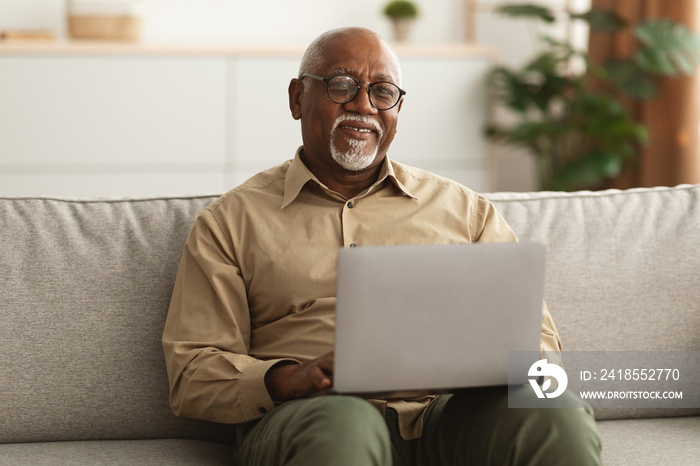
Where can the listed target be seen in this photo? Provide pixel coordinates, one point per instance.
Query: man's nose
(361, 103)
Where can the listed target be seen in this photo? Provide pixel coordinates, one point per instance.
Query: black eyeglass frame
(359, 83)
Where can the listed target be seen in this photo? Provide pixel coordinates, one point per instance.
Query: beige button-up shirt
(256, 283)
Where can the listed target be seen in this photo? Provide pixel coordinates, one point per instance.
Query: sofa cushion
(622, 269)
(143, 452)
(622, 266)
(667, 441)
(84, 292)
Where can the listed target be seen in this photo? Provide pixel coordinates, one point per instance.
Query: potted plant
(402, 13)
(574, 122)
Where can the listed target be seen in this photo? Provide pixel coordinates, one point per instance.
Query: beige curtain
(673, 118)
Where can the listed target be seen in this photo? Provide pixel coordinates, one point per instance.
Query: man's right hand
(286, 382)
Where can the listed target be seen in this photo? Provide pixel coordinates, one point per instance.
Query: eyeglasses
(383, 95)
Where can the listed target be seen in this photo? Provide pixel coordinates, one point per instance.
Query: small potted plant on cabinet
(402, 13)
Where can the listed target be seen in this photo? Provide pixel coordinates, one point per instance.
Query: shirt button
(353, 245)
(262, 410)
(350, 205)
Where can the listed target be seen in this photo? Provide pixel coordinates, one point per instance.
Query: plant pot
(402, 28)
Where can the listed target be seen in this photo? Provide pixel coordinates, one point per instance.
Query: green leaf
(669, 48)
(631, 79)
(601, 20)
(546, 62)
(401, 9)
(556, 43)
(527, 10)
(627, 151)
(654, 62)
(606, 163)
(552, 87)
(510, 90)
(641, 133)
(528, 89)
(606, 122)
(590, 170)
(597, 107)
(578, 175)
(535, 135)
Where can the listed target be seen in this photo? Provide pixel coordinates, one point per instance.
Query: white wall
(296, 22)
(516, 40)
(32, 14)
(245, 21)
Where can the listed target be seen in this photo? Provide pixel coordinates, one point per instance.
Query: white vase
(402, 28)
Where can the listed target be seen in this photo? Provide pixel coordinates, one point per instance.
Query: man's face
(355, 135)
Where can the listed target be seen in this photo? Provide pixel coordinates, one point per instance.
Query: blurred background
(107, 98)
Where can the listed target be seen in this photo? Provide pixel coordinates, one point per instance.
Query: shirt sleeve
(206, 339)
(488, 225)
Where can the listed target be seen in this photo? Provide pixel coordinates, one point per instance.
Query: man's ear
(296, 87)
(400, 104)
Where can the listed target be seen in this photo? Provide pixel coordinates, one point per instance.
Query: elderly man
(249, 334)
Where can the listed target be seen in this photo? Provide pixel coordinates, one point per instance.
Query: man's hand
(286, 382)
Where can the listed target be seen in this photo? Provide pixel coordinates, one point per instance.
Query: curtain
(672, 155)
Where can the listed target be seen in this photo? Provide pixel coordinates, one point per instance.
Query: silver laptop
(435, 317)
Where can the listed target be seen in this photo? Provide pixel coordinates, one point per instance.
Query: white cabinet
(263, 134)
(108, 126)
(139, 122)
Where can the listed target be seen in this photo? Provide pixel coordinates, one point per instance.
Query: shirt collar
(298, 175)
(388, 172)
(295, 179)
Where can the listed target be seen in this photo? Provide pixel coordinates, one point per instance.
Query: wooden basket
(102, 27)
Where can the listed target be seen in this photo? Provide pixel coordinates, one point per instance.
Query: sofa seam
(109, 201)
(547, 195)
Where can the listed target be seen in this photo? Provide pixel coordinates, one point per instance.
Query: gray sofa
(85, 286)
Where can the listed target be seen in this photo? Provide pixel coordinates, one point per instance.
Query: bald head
(323, 47)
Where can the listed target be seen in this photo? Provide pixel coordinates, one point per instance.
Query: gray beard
(357, 157)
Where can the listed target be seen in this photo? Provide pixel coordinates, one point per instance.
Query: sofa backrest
(623, 269)
(84, 292)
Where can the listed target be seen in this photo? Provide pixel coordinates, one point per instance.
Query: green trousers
(470, 428)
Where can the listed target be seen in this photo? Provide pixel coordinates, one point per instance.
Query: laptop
(433, 318)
